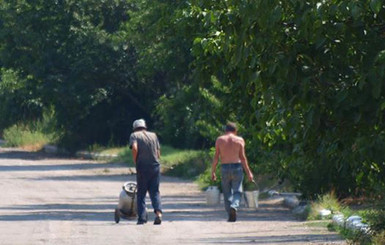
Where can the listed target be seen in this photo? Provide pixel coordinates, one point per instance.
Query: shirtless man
(230, 148)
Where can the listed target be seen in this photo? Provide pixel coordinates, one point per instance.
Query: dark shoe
(158, 220)
(141, 222)
(232, 215)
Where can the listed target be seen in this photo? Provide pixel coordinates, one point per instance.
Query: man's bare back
(230, 148)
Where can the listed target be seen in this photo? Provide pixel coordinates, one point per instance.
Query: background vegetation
(303, 79)
(187, 164)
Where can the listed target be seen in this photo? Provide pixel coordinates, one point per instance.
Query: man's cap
(140, 123)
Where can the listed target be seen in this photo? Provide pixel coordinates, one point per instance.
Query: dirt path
(46, 200)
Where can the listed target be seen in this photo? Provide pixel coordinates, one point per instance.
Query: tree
(78, 61)
(307, 77)
(163, 34)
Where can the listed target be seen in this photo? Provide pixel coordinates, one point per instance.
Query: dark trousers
(148, 180)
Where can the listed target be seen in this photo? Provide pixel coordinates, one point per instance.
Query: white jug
(212, 195)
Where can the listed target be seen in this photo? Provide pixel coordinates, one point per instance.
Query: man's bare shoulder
(222, 137)
(230, 138)
(238, 139)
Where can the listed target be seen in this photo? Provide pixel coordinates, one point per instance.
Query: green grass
(172, 157)
(124, 154)
(372, 214)
(33, 135)
(328, 201)
(374, 217)
(175, 162)
(25, 137)
(353, 237)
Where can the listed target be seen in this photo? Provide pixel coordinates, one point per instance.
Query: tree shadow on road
(277, 239)
(60, 211)
(24, 155)
(178, 208)
(56, 167)
(190, 208)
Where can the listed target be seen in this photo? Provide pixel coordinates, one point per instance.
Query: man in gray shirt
(146, 154)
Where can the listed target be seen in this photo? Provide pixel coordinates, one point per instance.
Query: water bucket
(212, 195)
(251, 199)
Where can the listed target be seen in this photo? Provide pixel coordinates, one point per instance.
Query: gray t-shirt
(148, 147)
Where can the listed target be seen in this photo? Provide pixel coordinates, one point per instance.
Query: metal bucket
(251, 198)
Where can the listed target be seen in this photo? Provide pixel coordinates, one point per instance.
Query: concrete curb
(52, 149)
(94, 156)
(291, 201)
(353, 223)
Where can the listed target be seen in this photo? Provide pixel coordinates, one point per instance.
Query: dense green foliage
(70, 55)
(304, 79)
(308, 77)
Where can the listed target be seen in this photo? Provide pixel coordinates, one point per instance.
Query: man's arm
(245, 164)
(215, 162)
(157, 148)
(134, 149)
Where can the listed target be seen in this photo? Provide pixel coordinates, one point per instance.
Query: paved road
(45, 200)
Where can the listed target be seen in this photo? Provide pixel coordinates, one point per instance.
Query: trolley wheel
(117, 215)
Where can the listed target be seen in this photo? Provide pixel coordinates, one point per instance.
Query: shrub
(204, 180)
(328, 201)
(379, 238)
(184, 163)
(35, 134)
(376, 219)
(23, 136)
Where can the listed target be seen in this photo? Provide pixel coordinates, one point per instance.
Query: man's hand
(213, 176)
(250, 176)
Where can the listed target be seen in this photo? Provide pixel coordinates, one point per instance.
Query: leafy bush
(124, 155)
(184, 163)
(376, 219)
(379, 239)
(34, 134)
(204, 180)
(328, 201)
(23, 136)
(17, 101)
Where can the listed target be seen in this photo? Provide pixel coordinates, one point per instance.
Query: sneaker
(232, 215)
(158, 220)
(141, 222)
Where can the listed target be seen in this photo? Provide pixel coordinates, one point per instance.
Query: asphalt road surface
(48, 200)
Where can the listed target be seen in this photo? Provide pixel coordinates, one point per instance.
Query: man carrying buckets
(230, 149)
